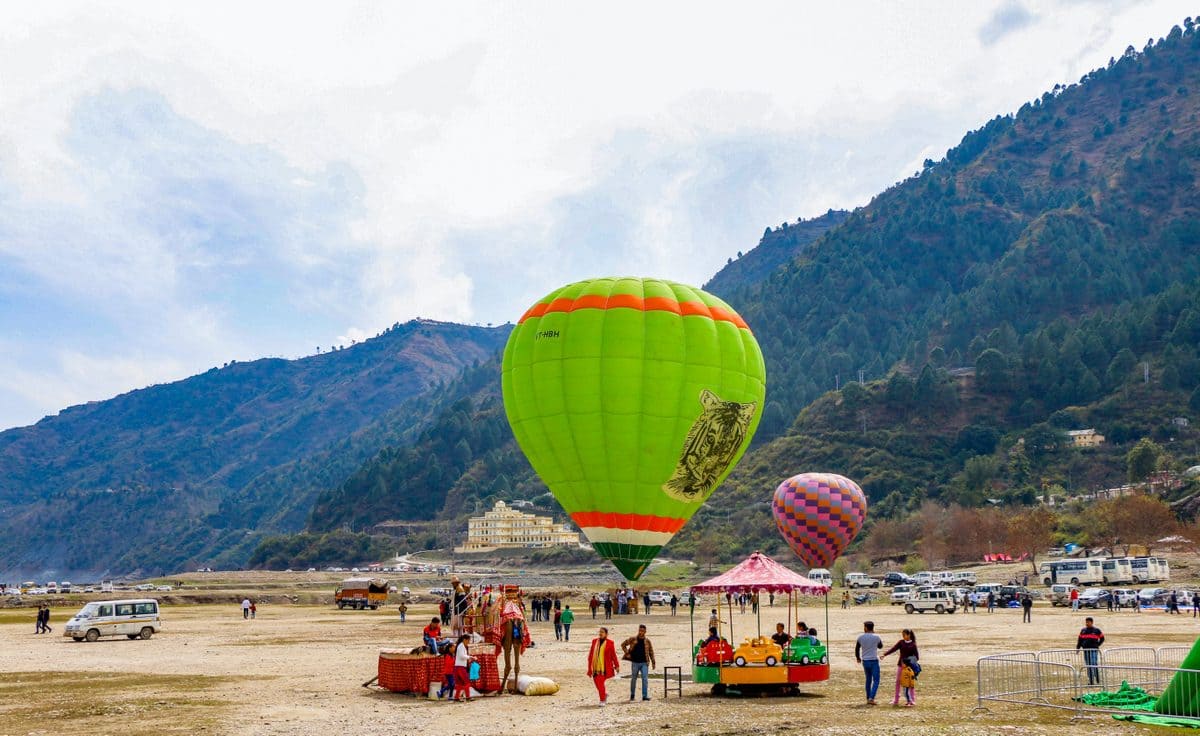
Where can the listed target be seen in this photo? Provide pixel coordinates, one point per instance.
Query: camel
(512, 654)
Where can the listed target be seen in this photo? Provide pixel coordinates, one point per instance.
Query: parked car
(820, 575)
(1153, 596)
(1124, 597)
(939, 600)
(661, 597)
(964, 577)
(896, 578)
(901, 593)
(983, 589)
(134, 619)
(164, 588)
(1095, 598)
(1060, 594)
(859, 580)
(1008, 593)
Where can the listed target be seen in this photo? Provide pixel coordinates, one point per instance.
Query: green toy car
(801, 650)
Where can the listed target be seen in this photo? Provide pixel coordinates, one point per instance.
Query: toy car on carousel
(759, 650)
(801, 650)
(713, 653)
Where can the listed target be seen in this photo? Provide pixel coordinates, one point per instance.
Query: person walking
(991, 601)
(253, 609)
(602, 663)
(866, 652)
(845, 599)
(1173, 602)
(907, 647)
(674, 603)
(1196, 604)
(46, 619)
(567, 617)
(39, 627)
(594, 604)
(1074, 599)
(245, 608)
(557, 625)
(403, 611)
(640, 653)
(646, 601)
(1026, 608)
(1090, 640)
(608, 608)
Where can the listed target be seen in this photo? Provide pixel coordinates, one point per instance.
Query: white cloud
(181, 184)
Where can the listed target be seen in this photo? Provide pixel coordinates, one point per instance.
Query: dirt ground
(298, 669)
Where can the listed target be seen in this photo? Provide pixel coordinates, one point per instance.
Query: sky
(185, 184)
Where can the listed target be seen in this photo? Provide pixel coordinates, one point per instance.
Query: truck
(361, 593)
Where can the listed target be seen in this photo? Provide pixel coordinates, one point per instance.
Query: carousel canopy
(759, 572)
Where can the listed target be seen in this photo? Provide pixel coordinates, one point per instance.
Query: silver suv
(900, 594)
(939, 600)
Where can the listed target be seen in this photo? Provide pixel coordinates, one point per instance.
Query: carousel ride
(758, 661)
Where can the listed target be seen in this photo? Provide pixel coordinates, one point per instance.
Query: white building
(505, 527)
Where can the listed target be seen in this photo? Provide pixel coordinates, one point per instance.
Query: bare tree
(1031, 532)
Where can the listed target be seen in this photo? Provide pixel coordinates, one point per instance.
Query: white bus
(1149, 569)
(1076, 572)
(1117, 570)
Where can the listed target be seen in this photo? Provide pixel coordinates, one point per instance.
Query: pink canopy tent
(760, 573)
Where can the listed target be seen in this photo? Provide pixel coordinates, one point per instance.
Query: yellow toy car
(759, 650)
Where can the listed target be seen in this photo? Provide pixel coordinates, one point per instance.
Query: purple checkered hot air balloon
(819, 514)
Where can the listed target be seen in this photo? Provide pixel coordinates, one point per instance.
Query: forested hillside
(196, 469)
(777, 247)
(1027, 283)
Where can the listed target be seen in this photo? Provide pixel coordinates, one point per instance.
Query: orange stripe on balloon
(632, 301)
(629, 522)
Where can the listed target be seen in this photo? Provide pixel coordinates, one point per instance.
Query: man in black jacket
(1090, 639)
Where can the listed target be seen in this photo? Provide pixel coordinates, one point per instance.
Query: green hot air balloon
(633, 399)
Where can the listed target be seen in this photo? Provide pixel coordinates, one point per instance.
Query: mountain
(1021, 285)
(196, 468)
(777, 247)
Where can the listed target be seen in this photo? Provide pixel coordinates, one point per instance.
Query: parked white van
(820, 575)
(137, 618)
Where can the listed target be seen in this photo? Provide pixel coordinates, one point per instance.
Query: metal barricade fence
(1171, 656)
(1021, 678)
(1064, 678)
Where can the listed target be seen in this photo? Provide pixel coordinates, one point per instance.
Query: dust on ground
(298, 669)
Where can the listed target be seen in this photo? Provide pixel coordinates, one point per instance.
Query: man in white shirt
(245, 608)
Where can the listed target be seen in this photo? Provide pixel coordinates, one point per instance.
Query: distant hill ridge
(159, 460)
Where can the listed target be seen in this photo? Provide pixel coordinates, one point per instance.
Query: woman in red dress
(602, 662)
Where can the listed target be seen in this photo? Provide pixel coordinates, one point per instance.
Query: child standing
(447, 671)
(908, 681)
(462, 678)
